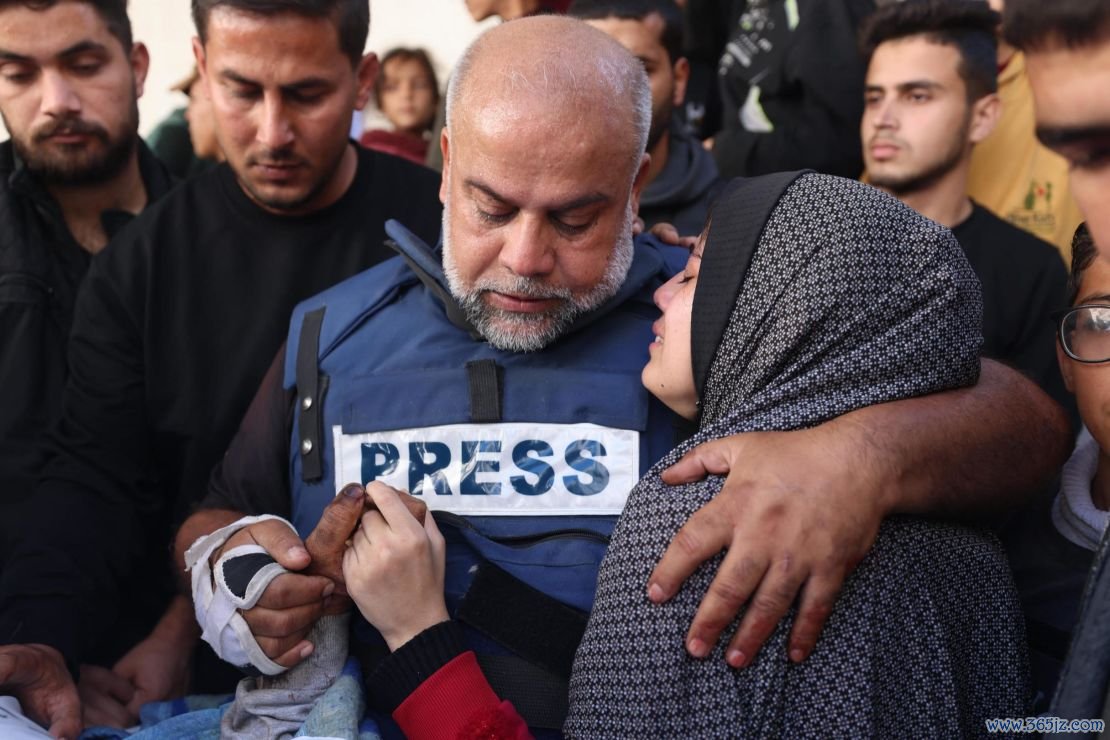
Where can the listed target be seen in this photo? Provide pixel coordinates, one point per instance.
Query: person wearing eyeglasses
(1051, 548)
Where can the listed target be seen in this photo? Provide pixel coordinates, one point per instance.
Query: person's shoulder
(169, 223)
(1016, 243)
(388, 170)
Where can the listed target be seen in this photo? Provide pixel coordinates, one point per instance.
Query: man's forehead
(285, 48)
(46, 33)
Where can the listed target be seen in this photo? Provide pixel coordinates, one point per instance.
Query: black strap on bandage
(309, 396)
(542, 630)
(240, 570)
(484, 378)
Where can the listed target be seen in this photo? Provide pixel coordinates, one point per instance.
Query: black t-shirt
(1024, 280)
(175, 326)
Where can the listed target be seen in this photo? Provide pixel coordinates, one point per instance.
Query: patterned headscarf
(846, 298)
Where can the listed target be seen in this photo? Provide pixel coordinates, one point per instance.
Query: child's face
(1090, 382)
(407, 97)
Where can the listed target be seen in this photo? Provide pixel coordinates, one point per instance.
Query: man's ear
(1066, 367)
(366, 74)
(985, 113)
(640, 182)
(445, 148)
(681, 71)
(140, 65)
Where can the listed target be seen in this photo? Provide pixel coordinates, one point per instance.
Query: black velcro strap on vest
(542, 630)
(484, 379)
(308, 396)
(539, 697)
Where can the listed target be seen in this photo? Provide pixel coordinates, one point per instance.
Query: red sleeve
(457, 703)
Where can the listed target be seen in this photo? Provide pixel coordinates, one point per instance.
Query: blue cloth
(339, 713)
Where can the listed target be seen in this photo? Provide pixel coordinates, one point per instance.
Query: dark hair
(1035, 24)
(402, 54)
(1083, 253)
(636, 10)
(112, 12)
(351, 17)
(968, 25)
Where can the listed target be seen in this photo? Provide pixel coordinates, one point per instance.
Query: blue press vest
(389, 358)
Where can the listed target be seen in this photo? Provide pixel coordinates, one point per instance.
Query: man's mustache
(68, 126)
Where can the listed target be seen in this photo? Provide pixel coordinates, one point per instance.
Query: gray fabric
(851, 299)
(276, 706)
(1082, 692)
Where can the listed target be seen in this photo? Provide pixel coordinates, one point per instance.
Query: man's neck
(659, 154)
(945, 200)
(82, 206)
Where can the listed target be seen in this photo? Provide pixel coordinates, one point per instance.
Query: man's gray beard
(529, 332)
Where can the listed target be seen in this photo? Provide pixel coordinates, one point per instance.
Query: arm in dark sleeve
(816, 107)
(253, 476)
(86, 527)
(434, 688)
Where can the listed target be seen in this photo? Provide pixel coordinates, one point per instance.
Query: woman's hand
(394, 568)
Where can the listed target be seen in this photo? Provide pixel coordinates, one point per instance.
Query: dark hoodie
(682, 192)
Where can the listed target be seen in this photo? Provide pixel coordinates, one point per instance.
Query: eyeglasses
(1084, 332)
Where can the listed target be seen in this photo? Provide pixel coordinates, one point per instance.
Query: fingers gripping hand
(793, 517)
(328, 541)
(394, 568)
(291, 603)
(36, 675)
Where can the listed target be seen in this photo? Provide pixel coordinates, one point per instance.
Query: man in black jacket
(72, 173)
(174, 328)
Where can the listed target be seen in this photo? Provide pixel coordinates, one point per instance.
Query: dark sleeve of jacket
(814, 100)
(253, 476)
(82, 536)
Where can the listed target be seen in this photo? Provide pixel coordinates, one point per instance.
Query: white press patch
(521, 469)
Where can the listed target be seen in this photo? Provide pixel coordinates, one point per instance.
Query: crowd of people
(727, 369)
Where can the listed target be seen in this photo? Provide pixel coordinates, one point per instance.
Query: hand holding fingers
(394, 569)
(328, 541)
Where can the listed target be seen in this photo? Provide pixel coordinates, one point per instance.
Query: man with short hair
(73, 173)
(503, 386)
(682, 177)
(929, 99)
(1067, 59)
(177, 322)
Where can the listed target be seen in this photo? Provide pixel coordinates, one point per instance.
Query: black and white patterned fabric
(850, 299)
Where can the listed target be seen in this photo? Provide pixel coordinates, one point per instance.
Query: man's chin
(526, 333)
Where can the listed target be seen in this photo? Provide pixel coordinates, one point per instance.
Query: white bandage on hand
(217, 606)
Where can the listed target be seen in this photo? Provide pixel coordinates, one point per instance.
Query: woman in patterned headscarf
(813, 296)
